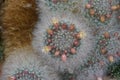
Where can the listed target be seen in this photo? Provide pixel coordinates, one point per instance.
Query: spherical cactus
(100, 12)
(25, 66)
(70, 42)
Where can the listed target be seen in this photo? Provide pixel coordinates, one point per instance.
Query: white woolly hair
(25, 59)
(43, 24)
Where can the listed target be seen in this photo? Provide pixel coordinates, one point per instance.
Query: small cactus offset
(114, 70)
(66, 75)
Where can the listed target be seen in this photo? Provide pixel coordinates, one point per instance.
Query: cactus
(66, 75)
(114, 70)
